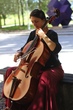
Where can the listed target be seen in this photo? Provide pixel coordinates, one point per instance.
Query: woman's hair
(38, 13)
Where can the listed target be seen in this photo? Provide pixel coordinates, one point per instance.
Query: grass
(11, 23)
(13, 19)
(10, 28)
(15, 28)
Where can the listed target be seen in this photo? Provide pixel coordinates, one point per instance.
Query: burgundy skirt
(45, 98)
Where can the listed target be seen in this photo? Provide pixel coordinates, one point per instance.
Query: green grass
(15, 28)
(12, 20)
(11, 23)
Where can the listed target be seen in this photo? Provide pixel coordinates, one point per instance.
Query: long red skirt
(45, 98)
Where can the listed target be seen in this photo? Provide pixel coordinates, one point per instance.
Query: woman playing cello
(49, 75)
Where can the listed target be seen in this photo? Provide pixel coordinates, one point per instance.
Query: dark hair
(38, 13)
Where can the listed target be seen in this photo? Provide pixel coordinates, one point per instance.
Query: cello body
(21, 85)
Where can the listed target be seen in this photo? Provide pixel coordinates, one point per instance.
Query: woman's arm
(31, 37)
(51, 39)
(19, 52)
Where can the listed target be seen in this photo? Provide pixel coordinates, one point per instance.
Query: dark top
(53, 61)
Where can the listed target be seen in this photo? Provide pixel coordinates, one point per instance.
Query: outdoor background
(15, 27)
(15, 13)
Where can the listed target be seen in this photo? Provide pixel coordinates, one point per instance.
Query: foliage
(19, 7)
(7, 6)
(41, 4)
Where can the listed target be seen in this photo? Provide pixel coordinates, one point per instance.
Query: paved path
(10, 42)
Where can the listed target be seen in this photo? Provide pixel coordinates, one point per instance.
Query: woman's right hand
(16, 56)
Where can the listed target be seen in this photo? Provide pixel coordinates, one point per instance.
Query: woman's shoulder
(33, 32)
(31, 35)
(50, 31)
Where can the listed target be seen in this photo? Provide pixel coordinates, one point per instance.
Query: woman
(49, 75)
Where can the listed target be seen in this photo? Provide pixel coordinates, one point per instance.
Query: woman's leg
(8, 72)
(45, 98)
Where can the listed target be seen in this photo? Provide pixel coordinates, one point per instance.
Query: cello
(21, 85)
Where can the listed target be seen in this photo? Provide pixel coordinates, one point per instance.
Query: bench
(65, 93)
(3, 71)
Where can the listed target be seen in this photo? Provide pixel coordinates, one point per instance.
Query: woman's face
(37, 22)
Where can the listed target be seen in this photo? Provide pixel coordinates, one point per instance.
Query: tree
(19, 7)
(22, 10)
(7, 7)
(41, 4)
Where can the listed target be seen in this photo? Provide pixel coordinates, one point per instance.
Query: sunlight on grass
(12, 23)
(13, 19)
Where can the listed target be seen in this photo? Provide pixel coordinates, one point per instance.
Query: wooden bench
(65, 92)
(3, 71)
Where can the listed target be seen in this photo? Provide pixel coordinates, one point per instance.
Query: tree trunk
(18, 1)
(22, 11)
(0, 23)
